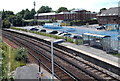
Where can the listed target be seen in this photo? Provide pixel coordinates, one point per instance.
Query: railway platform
(87, 50)
(31, 72)
(95, 53)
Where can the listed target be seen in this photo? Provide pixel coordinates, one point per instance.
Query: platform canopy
(96, 35)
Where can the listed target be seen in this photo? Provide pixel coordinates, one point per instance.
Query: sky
(90, 5)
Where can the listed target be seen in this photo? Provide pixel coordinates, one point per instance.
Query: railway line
(45, 61)
(75, 65)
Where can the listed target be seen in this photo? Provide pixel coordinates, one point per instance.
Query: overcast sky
(91, 5)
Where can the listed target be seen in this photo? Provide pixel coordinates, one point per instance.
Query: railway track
(46, 62)
(78, 63)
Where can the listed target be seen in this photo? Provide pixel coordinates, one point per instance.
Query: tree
(27, 14)
(9, 13)
(11, 18)
(6, 23)
(102, 10)
(3, 15)
(33, 12)
(17, 20)
(44, 9)
(7, 18)
(62, 9)
(6, 14)
(21, 13)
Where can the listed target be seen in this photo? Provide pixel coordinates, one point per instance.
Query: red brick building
(78, 14)
(110, 16)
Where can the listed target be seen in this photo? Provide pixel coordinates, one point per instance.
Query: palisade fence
(115, 44)
(107, 43)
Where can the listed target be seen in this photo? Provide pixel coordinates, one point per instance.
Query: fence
(102, 41)
(115, 44)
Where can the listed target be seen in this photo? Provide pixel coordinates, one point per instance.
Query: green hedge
(68, 39)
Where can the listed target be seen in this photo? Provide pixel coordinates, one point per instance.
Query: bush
(78, 41)
(6, 23)
(21, 55)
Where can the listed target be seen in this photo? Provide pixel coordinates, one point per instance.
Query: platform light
(52, 56)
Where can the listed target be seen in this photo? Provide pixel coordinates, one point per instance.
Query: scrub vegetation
(10, 60)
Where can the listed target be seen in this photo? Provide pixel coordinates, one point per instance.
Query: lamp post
(39, 70)
(39, 61)
(52, 56)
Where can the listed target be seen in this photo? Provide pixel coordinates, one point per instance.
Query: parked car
(53, 32)
(42, 30)
(76, 37)
(66, 34)
(34, 29)
(59, 33)
(100, 27)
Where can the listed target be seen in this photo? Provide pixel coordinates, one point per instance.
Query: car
(34, 29)
(100, 27)
(53, 32)
(76, 37)
(66, 34)
(59, 33)
(42, 30)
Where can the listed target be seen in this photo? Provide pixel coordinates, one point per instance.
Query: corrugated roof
(95, 35)
(110, 12)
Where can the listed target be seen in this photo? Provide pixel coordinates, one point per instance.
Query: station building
(77, 14)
